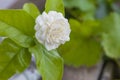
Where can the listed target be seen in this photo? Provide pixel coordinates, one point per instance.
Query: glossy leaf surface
(18, 19)
(13, 59)
(54, 5)
(31, 9)
(15, 35)
(49, 63)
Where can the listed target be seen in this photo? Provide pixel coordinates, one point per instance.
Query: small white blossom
(52, 29)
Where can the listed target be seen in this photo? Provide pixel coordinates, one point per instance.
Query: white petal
(52, 29)
(51, 46)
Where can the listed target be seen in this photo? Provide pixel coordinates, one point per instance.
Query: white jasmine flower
(52, 29)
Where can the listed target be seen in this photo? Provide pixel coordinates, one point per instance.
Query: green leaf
(13, 59)
(90, 28)
(80, 50)
(19, 19)
(54, 5)
(86, 28)
(49, 63)
(83, 5)
(15, 35)
(31, 9)
(111, 36)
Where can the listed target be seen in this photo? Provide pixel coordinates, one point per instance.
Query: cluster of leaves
(95, 31)
(19, 45)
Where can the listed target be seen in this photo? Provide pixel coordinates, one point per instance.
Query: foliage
(111, 36)
(16, 50)
(83, 5)
(13, 58)
(92, 34)
(95, 26)
(49, 63)
(57, 6)
(81, 49)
